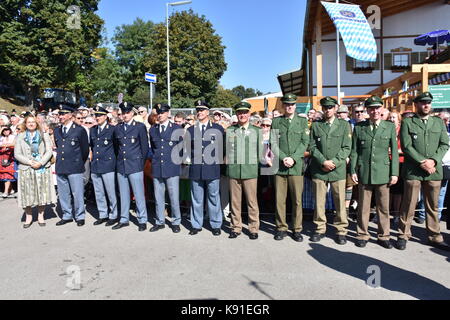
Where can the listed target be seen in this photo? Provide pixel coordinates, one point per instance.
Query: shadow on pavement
(392, 277)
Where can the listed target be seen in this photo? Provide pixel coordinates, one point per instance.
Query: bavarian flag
(354, 29)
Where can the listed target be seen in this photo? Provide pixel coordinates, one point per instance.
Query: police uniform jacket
(104, 149)
(374, 157)
(209, 145)
(132, 147)
(162, 145)
(243, 152)
(72, 150)
(332, 144)
(421, 142)
(293, 141)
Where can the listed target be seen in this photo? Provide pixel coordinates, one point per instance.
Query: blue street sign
(150, 77)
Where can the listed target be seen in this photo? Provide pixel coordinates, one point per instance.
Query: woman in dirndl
(7, 170)
(33, 152)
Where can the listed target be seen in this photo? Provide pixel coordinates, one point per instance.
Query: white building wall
(413, 22)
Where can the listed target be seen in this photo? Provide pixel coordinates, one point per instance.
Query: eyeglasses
(265, 125)
(357, 111)
(88, 123)
(189, 119)
(141, 112)
(80, 118)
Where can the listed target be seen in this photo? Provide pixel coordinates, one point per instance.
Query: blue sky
(263, 38)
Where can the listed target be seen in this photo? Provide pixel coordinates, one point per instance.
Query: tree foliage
(224, 98)
(244, 93)
(37, 48)
(197, 59)
(131, 42)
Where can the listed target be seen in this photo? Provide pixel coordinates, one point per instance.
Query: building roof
(291, 82)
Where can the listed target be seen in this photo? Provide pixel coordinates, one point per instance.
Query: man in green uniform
(243, 154)
(330, 145)
(374, 141)
(424, 142)
(293, 134)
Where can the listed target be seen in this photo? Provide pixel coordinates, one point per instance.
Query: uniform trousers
(71, 185)
(295, 186)
(173, 187)
(209, 189)
(382, 204)
(105, 192)
(430, 191)
(338, 192)
(137, 184)
(248, 186)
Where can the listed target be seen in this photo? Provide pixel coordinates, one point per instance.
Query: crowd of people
(367, 166)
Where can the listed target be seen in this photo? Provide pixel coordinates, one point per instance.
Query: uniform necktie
(203, 129)
(425, 121)
(374, 128)
(163, 128)
(125, 127)
(64, 130)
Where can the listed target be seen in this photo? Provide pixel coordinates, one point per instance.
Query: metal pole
(338, 64)
(151, 96)
(168, 57)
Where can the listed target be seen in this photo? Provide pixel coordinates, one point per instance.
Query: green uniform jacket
(420, 143)
(334, 145)
(370, 153)
(293, 140)
(243, 152)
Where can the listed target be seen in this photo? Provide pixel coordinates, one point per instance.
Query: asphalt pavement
(95, 262)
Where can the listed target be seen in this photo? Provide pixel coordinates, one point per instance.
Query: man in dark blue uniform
(72, 152)
(132, 140)
(166, 166)
(205, 141)
(103, 167)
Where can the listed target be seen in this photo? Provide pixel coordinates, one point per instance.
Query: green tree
(197, 59)
(244, 93)
(224, 98)
(131, 42)
(41, 46)
(107, 78)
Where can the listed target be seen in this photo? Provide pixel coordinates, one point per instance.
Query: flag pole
(338, 62)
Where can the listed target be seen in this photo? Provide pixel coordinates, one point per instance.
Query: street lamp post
(168, 51)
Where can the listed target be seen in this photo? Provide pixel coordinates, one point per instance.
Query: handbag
(446, 171)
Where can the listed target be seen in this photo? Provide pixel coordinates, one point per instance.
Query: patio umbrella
(433, 38)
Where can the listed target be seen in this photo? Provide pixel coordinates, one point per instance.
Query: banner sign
(354, 29)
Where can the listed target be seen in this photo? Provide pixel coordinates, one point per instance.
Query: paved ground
(126, 264)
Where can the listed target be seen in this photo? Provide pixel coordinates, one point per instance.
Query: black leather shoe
(419, 220)
(120, 226)
(233, 235)
(297, 236)
(63, 222)
(401, 244)
(216, 232)
(440, 245)
(142, 227)
(176, 229)
(280, 235)
(110, 223)
(385, 243)
(194, 231)
(100, 221)
(253, 236)
(27, 225)
(360, 243)
(341, 240)
(316, 237)
(80, 223)
(157, 227)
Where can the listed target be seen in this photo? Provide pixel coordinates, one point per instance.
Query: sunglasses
(359, 111)
(265, 125)
(80, 118)
(189, 119)
(141, 112)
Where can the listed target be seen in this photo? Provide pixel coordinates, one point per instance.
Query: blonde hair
(23, 125)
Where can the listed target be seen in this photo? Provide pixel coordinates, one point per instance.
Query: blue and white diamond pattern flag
(354, 29)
